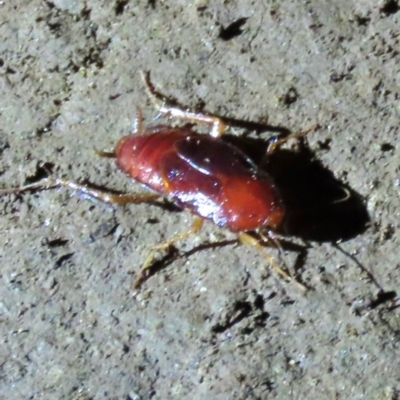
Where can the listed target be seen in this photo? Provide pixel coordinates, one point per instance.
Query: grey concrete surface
(215, 324)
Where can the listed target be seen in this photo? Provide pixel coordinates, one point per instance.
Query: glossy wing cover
(208, 176)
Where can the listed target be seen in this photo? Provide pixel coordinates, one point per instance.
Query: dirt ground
(214, 323)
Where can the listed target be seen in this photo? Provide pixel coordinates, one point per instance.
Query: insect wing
(190, 188)
(213, 157)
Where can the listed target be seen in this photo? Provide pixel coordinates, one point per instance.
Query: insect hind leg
(86, 190)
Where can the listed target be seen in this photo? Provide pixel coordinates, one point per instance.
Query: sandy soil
(215, 323)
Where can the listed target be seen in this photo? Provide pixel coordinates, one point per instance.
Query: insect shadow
(318, 207)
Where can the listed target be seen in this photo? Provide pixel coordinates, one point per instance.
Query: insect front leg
(142, 274)
(164, 106)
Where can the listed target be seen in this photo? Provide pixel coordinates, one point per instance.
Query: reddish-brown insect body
(206, 175)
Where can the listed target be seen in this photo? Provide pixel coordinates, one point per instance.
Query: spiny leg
(277, 143)
(164, 106)
(249, 240)
(104, 196)
(141, 275)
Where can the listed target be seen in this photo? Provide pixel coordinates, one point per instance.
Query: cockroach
(213, 179)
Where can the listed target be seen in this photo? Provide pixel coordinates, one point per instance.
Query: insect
(213, 179)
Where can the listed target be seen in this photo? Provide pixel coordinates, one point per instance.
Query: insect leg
(277, 143)
(249, 240)
(164, 106)
(137, 122)
(105, 153)
(141, 275)
(104, 196)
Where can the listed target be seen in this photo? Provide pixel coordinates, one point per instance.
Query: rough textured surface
(216, 324)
